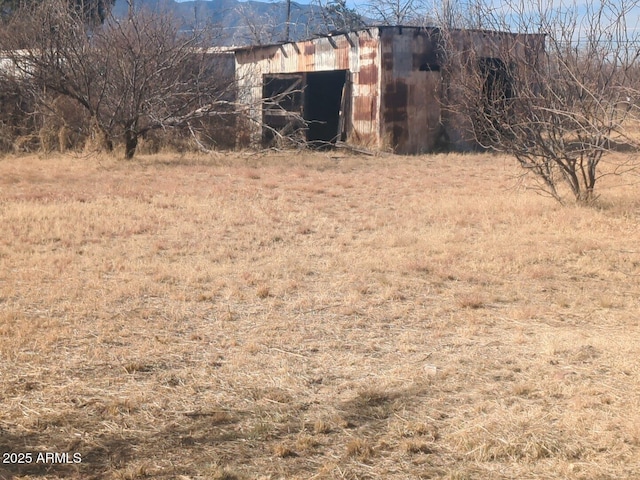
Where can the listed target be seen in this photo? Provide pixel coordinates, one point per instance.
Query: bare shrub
(16, 108)
(129, 77)
(558, 101)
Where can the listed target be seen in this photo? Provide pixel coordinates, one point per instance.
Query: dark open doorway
(323, 104)
(305, 106)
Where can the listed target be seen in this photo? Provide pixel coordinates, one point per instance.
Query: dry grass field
(315, 316)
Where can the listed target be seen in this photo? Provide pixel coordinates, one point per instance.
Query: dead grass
(315, 316)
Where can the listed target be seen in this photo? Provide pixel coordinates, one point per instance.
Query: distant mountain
(239, 23)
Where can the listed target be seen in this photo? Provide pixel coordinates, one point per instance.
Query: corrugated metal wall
(411, 80)
(397, 93)
(356, 52)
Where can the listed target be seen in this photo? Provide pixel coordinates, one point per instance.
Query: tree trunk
(130, 144)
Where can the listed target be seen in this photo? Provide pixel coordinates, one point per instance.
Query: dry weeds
(315, 316)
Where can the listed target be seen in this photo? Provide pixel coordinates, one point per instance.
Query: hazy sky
(351, 3)
(521, 12)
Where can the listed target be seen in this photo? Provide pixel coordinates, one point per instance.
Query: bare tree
(399, 12)
(158, 77)
(94, 12)
(257, 30)
(285, 21)
(336, 15)
(130, 76)
(48, 46)
(558, 101)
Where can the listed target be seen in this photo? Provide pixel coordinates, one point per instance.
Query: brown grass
(315, 316)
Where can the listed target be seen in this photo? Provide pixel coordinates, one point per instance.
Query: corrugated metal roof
(381, 28)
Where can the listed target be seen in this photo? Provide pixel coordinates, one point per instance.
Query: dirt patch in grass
(314, 316)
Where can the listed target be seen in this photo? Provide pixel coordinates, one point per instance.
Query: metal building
(380, 87)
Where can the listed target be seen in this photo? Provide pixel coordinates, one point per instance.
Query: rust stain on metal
(368, 75)
(342, 58)
(368, 48)
(307, 59)
(387, 60)
(365, 108)
(395, 100)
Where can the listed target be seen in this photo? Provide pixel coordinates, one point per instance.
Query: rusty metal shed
(379, 87)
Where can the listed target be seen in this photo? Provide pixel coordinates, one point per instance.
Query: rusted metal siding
(356, 52)
(395, 87)
(365, 91)
(411, 89)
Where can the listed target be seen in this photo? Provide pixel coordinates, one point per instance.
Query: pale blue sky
(525, 13)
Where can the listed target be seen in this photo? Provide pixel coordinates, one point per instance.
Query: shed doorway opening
(311, 107)
(323, 107)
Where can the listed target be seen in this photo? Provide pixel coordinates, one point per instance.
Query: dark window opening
(497, 94)
(285, 91)
(282, 108)
(498, 86)
(429, 67)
